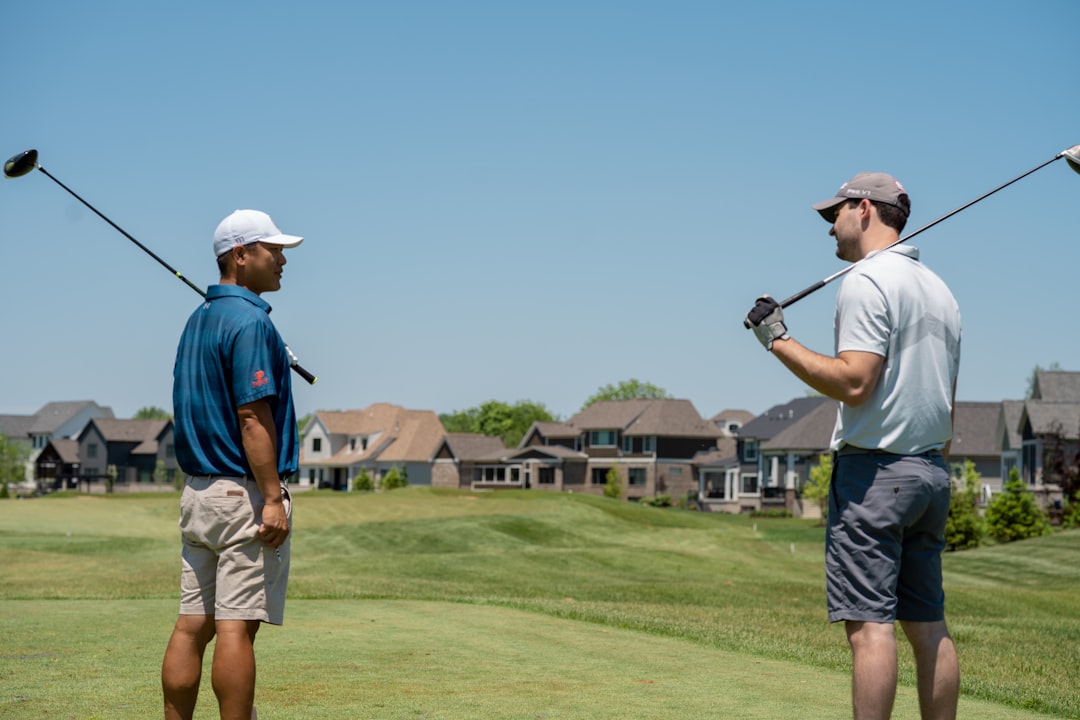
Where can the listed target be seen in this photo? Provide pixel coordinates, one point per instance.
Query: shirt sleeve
(863, 323)
(253, 363)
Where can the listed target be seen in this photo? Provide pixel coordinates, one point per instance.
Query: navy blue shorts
(886, 533)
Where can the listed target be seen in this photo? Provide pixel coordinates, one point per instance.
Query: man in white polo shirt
(897, 356)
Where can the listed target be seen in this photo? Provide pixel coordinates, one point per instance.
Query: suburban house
(59, 466)
(775, 453)
(127, 452)
(976, 437)
(1049, 428)
(338, 444)
(54, 421)
(464, 456)
(730, 421)
(651, 444)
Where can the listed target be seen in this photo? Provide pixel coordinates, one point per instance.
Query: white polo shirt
(894, 306)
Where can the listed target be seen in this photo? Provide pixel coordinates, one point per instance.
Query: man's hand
(275, 524)
(766, 319)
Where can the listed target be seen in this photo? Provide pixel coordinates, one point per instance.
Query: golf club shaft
(822, 283)
(293, 362)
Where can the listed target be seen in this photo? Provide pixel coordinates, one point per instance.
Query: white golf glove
(766, 319)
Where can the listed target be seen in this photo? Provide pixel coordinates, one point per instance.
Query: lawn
(421, 603)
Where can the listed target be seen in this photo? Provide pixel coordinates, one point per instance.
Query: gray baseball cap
(874, 186)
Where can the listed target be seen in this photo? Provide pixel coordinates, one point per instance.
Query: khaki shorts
(228, 571)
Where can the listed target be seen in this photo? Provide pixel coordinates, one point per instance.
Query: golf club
(26, 161)
(1071, 155)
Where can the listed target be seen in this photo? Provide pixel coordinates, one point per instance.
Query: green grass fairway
(433, 604)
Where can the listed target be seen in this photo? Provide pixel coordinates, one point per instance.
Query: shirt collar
(220, 291)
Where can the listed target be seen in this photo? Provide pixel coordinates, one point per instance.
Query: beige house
(337, 444)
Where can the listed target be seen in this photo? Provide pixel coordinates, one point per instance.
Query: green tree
(13, 457)
(302, 423)
(631, 389)
(498, 419)
(151, 412)
(362, 482)
(613, 484)
(394, 479)
(816, 489)
(964, 528)
(1013, 514)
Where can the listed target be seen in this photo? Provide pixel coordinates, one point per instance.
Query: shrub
(816, 489)
(657, 501)
(1014, 515)
(613, 483)
(394, 479)
(965, 528)
(363, 482)
(771, 513)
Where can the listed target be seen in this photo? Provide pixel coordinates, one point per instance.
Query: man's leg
(937, 666)
(873, 677)
(233, 673)
(181, 670)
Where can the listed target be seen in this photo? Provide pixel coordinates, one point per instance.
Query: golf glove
(766, 319)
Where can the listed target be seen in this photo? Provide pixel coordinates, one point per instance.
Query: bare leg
(938, 668)
(873, 678)
(181, 670)
(233, 673)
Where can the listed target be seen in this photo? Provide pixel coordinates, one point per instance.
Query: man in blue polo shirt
(236, 439)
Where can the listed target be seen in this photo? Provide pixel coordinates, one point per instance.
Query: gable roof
(975, 429)
(16, 427)
(1051, 418)
(66, 449)
(1056, 386)
(724, 455)
(643, 417)
(740, 416)
(465, 447)
(53, 415)
(401, 435)
(143, 433)
(1009, 431)
(810, 431)
(779, 417)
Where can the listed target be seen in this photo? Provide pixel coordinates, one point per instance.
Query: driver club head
(26, 161)
(1072, 156)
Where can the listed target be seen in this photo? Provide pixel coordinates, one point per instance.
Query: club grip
(304, 373)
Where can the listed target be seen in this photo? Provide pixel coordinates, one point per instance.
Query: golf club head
(1072, 156)
(26, 161)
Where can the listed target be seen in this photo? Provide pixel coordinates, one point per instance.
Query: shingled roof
(468, 447)
(143, 433)
(637, 418)
(1056, 386)
(975, 429)
(808, 431)
(1052, 418)
(402, 435)
(779, 417)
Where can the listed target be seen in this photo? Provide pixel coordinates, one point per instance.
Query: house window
(352, 443)
(547, 476)
(749, 484)
(490, 474)
(91, 450)
(599, 476)
(675, 471)
(648, 444)
(714, 484)
(750, 450)
(603, 438)
(635, 477)
(316, 444)
(628, 444)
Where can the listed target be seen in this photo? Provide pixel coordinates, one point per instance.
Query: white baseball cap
(244, 227)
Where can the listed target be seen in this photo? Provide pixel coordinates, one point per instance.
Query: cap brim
(288, 241)
(828, 208)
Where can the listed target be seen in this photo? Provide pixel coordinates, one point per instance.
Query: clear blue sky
(525, 201)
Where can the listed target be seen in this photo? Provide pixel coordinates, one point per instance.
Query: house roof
(144, 433)
(466, 447)
(740, 416)
(808, 431)
(1052, 418)
(975, 429)
(779, 417)
(402, 435)
(1056, 386)
(53, 415)
(1009, 423)
(16, 427)
(66, 449)
(554, 451)
(724, 455)
(660, 417)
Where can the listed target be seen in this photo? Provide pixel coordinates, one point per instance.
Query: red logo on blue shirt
(260, 379)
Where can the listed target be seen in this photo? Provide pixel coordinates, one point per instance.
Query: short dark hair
(891, 215)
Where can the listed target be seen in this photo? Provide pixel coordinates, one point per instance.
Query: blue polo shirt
(230, 354)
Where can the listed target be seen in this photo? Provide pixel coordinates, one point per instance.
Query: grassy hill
(753, 587)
